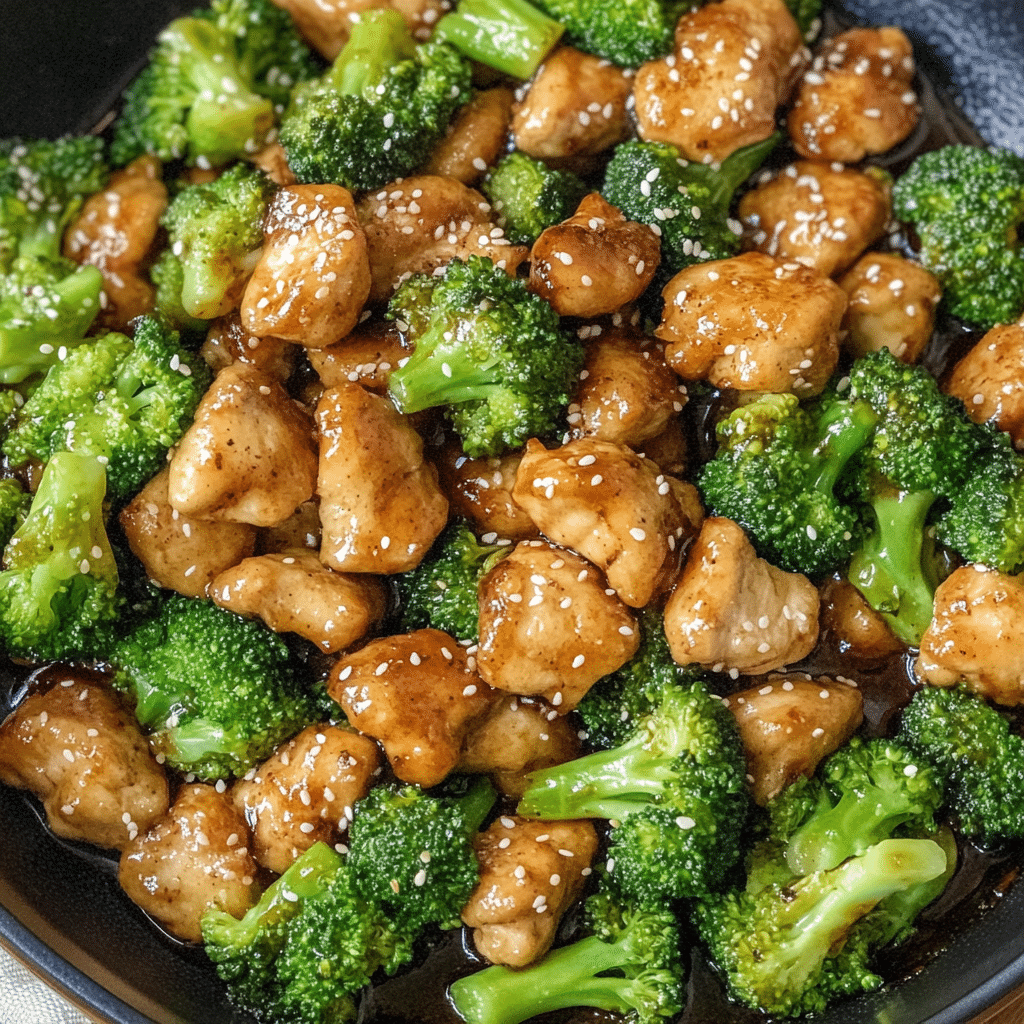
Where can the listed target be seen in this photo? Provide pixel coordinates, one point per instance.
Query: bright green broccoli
(15, 502)
(676, 788)
(966, 205)
(126, 401)
(217, 692)
(486, 349)
(379, 109)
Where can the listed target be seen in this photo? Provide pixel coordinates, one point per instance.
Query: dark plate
(62, 64)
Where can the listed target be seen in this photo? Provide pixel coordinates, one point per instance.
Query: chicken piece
(229, 342)
(419, 695)
(518, 736)
(627, 393)
(753, 324)
(81, 752)
(668, 450)
(549, 627)
(418, 224)
(574, 107)
(115, 232)
(195, 858)
(989, 380)
(975, 636)
(856, 99)
(248, 456)
(863, 635)
(891, 305)
(313, 276)
(272, 160)
(304, 792)
(531, 872)
(611, 506)
(734, 63)
(817, 215)
(789, 724)
(476, 137)
(734, 611)
(367, 357)
(595, 262)
(300, 530)
(177, 551)
(380, 504)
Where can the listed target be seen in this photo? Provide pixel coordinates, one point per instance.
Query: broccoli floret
(775, 474)
(967, 205)
(488, 350)
(528, 196)
(15, 502)
(168, 275)
(630, 964)
(215, 233)
(124, 400)
(511, 36)
(58, 591)
(378, 111)
(442, 590)
(217, 691)
(677, 789)
(970, 744)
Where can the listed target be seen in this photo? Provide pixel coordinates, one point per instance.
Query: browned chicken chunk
(476, 137)
(367, 357)
(863, 635)
(229, 342)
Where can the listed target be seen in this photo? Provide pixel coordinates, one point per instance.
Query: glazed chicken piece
(418, 694)
(248, 456)
(789, 724)
(595, 262)
(975, 636)
(475, 139)
(856, 99)
(367, 357)
(313, 276)
(272, 160)
(817, 215)
(294, 592)
(891, 305)
(380, 504)
(753, 324)
(734, 611)
(304, 792)
(420, 223)
(549, 626)
(195, 858)
(81, 752)
(300, 530)
(989, 380)
(228, 342)
(531, 872)
(863, 635)
(734, 63)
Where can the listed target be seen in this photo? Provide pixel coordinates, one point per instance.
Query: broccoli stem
(380, 39)
(845, 430)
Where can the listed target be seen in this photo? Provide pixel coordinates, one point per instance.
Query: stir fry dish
(553, 470)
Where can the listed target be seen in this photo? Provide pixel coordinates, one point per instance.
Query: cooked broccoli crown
(966, 205)
(215, 231)
(218, 692)
(512, 36)
(677, 788)
(775, 474)
(123, 400)
(378, 111)
(528, 196)
(807, 14)
(442, 590)
(686, 203)
(168, 274)
(630, 964)
(982, 761)
(15, 502)
(59, 588)
(411, 851)
(488, 350)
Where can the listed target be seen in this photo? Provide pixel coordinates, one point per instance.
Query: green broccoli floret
(970, 744)
(168, 275)
(215, 231)
(676, 788)
(441, 591)
(528, 196)
(15, 502)
(58, 590)
(486, 349)
(511, 36)
(776, 472)
(630, 964)
(217, 691)
(380, 108)
(967, 205)
(126, 401)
